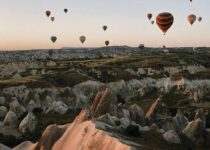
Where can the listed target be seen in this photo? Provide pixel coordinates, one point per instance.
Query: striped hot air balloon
(164, 21)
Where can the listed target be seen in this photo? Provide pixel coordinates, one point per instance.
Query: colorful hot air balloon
(65, 10)
(200, 19)
(164, 21)
(48, 13)
(53, 39)
(149, 16)
(105, 28)
(107, 43)
(52, 19)
(82, 39)
(152, 22)
(192, 19)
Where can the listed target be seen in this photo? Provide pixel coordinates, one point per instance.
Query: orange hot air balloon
(52, 19)
(149, 16)
(200, 19)
(192, 19)
(48, 13)
(107, 43)
(164, 21)
(82, 39)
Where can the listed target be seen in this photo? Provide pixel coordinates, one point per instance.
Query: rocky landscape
(88, 98)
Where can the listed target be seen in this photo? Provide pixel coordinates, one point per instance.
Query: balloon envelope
(105, 28)
(52, 19)
(65, 10)
(200, 19)
(141, 46)
(164, 21)
(48, 13)
(149, 16)
(82, 39)
(192, 19)
(53, 39)
(107, 43)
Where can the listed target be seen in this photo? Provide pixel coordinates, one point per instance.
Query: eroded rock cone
(104, 102)
(157, 111)
(195, 131)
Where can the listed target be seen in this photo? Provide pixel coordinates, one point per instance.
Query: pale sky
(24, 25)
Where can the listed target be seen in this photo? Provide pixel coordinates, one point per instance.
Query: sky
(23, 23)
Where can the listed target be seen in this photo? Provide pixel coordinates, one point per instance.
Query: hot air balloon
(200, 19)
(141, 46)
(52, 19)
(48, 13)
(192, 18)
(53, 39)
(82, 39)
(164, 21)
(152, 22)
(190, 0)
(105, 28)
(107, 43)
(65, 10)
(149, 16)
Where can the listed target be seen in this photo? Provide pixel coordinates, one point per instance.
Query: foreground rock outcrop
(106, 119)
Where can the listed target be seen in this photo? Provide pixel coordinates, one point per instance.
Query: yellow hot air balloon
(82, 39)
(192, 19)
(164, 21)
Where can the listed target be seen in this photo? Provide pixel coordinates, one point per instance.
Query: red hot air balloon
(164, 21)
(48, 13)
(107, 43)
(149, 16)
